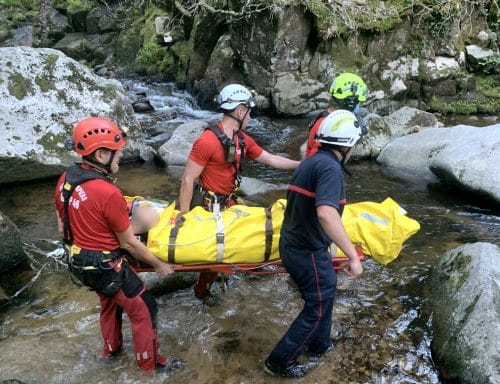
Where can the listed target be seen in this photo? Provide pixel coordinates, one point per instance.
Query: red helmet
(94, 133)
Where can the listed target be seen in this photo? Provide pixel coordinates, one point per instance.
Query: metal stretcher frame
(263, 268)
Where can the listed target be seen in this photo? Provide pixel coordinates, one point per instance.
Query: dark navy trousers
(316, 279)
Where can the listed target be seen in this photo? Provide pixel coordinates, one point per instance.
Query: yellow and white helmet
(341, 128)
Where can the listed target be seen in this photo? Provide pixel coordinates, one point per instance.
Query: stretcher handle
(263, 268)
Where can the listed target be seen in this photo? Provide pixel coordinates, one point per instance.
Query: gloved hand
(179, 219)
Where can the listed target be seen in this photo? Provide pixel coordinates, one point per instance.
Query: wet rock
(464, 293)
(12, 253)
(297, 95)
(471, 163)
(462, 156)
(160, 285)
(4, 33)
(228, 347)
(143, 106)
(251, 186)
(176, 150)
(77, 17)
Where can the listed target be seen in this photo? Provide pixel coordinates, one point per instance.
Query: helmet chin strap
(342, 161)
(101, 168)
(240, 122)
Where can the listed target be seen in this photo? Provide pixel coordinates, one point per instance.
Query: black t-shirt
(318, 180)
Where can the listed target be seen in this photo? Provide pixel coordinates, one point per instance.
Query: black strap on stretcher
(269, 234)
(171, 243)
(174, 232)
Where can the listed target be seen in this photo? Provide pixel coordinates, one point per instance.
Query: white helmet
(233, 95)
(340, 127)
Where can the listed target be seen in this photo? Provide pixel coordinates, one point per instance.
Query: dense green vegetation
(138, 48)
(332, 17)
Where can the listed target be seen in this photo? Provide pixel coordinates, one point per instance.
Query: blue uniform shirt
(318, 180)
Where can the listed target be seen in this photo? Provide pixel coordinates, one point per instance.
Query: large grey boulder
(251, 186)
(408, 120)
(176, 150)
(43, 93)
(463, 156)
(381, 130)
(295, 95)
(11, 246)
(464, 298)
(472, 163)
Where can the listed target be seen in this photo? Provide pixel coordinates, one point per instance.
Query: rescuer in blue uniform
(315, 200)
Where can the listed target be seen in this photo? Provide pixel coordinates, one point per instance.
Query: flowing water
(50, 334)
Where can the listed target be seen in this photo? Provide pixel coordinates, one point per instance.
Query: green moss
(328, 22)
(45, 84)
(463, 105)
(19, 86)
(489, 86)
(460, 267)
(490, 107)
(49, 63)
(180, 49)
(129, 41)
(109, 93)
(80, 80)
(459, 107)
(18, 11)
(51, 142)
(73, 5)
(154, 57)
(148, 29)
(120, 112)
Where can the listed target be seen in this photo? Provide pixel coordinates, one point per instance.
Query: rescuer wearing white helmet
(315, 201)
(215, 162)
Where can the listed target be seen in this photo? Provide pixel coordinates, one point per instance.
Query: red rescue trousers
(204, 283)
(144, 333)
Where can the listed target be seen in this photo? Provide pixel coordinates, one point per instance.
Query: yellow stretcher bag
(243, 234)
(240, 234)
(380, 228)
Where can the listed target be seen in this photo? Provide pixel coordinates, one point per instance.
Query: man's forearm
(185, 196)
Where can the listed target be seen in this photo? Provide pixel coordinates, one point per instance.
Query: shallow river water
(50, 334)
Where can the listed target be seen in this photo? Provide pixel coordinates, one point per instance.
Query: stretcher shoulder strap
(75, 176)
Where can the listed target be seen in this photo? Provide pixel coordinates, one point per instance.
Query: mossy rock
(11, 244)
